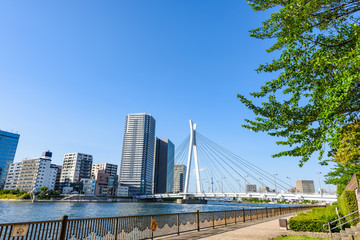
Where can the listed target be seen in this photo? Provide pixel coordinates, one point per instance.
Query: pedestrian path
(262, 229)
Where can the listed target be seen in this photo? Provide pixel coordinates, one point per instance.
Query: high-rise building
(250, 187)
(37, 173)
(56, 168)
(8, 145)
(305, 186)
(12, 176)
(76, 166)
(137, 157)
(109, 168)
(179, 178)
(164, 166)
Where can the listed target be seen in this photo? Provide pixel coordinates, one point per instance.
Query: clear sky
(70, 71)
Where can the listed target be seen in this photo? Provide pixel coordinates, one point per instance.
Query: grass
(299, 238)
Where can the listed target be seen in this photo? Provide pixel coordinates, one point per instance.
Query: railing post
(116, 228)
(243, 213)
(213, 218)
(280, 210)
(225, 217)
(250, 214)
(152, 232)
(330, 229)
(266, 212)
(235, 216)
(63, 227)
(197, 220)
(178, 223)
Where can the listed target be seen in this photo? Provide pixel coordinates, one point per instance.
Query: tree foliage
(316, 92)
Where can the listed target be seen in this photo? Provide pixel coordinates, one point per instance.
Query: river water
(11, 212)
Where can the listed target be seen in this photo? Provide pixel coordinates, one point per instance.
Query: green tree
(341, 175)
(316, 92)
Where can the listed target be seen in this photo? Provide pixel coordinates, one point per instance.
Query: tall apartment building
(179, 178)
(8, 145)
(137, 157)
(12, 176)
(58, 175)
(76, 166)
(250, 187)
(109, 168)
(164, 166)
(305, 186)
(37, 173)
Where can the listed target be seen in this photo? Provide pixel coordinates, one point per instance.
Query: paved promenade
(262, 229)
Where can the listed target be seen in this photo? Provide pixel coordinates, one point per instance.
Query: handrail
(338, 220)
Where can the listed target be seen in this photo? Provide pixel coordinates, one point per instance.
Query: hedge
(313, 220)
(348, 204)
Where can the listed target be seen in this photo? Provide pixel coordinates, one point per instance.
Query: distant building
(305, 186)
(12, 176)
(164, 166)
(137, 157)
(102, 183)
(123, 191)
(264, 189)
(250, 187)
(58, 175)
(179, 178)
(8, 145)
(37, 173)
(76, 166)
(88, 186)
(109, 168)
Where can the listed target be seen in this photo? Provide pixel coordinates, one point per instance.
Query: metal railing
(329, 228)
(135, 227)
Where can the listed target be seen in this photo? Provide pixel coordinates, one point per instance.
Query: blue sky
(71, 71)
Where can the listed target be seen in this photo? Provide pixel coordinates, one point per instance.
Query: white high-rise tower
(137, 158)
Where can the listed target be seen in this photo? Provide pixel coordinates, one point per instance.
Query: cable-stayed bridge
(219, 173)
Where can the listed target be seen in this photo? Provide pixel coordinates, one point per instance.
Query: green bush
(313, 221)
(347, 204)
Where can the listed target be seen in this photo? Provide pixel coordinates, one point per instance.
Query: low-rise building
(88, 186)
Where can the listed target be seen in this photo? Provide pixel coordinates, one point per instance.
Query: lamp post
(320, 191)
(289, 181)
(238, 180)
(275, 182)
(262, 184)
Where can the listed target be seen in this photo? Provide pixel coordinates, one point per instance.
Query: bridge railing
(135, 227)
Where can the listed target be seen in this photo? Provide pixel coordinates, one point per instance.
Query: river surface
(11, 212)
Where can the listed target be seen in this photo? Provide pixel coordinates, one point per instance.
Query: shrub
(347, 204)
(313, 220)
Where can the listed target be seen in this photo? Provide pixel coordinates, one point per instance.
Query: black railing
(135, 227)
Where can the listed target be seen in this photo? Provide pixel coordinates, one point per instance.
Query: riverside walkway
(262, 229)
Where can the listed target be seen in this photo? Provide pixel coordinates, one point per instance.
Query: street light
(275, 182)
(289, 181)
(222, 184)
(262, 184)
(320, 191)
(238, 180)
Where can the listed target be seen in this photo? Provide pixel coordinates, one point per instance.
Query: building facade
(164, 166)
(76, 166)
(137, 157)
(88, 186)
(250, 187)
(8, 145)
(109, 168)
(36, 173)
(305, 186)
(12, 176)
(179, 178)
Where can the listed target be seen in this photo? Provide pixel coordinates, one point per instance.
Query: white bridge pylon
(192, 148)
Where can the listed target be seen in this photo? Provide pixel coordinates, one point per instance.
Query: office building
(36, 173)
(179, 178)
(250, 187)
(12, 176)
(164, 166)
(305, 186)
(102, 183)
(8, 145)
(109, 168)
(137, 157)
(76, 166)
